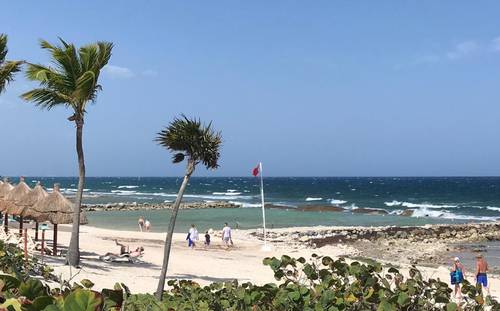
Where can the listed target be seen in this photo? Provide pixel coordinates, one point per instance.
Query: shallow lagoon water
(249, 218)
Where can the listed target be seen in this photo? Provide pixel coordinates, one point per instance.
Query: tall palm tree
(7, 68)
(197, 143)
(71, 82)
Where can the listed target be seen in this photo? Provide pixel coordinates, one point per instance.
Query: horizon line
(277, 176)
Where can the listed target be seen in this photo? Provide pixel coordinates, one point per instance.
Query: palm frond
(3, 47)
(7, 71)
(46, 98)
(191, 138)
(7, 68)
(72, 80)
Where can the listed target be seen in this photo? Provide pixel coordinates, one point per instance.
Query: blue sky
(323, 88)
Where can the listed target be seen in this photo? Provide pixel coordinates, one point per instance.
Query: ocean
(432, 199)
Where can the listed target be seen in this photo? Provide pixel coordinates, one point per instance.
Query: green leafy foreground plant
(320, 283)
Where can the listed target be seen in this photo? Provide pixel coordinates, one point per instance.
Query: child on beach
(207, 239)
(457, 276)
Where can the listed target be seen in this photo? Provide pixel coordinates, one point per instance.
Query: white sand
(242, 262)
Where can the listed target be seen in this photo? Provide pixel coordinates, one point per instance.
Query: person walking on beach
(141, 223)
(226, 235)
(193, 236)
(457, 276)
(481, 270)
(147, 225)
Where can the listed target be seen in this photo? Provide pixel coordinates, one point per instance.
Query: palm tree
(71, 82)
(7, 68)
(198, 143)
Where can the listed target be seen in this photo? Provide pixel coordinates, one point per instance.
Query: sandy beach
(215, 264)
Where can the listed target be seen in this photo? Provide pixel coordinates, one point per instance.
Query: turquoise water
(246, 218)
(467, 198)
(431, 199)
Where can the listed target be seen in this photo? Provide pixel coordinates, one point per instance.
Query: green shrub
(317, 284)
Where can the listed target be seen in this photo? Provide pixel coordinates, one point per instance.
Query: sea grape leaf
(83, 300)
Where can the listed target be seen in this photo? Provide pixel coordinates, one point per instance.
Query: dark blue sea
(432, 199)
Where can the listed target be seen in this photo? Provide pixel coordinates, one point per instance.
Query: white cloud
(149, 73)
(463, 49)
(118, 72)
(496, 44)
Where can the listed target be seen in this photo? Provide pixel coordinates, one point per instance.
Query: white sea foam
(127, 187)
(125, 192)
(491, 208)
(69, 190)
(393, 203)
(337, 202)
(246, 204)
(229, 192)
(419, 205)
(351, 207)
(313, 199)
(425, 212)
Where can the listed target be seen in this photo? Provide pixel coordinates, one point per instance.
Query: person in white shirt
(147, 225)
(193, 236)
(226, 235)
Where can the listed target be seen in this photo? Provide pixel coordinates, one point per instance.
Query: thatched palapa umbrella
(56, 209)
(5, 188)
(27, 202)
(11, 201)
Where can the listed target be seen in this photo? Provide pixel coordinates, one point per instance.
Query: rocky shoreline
(431, 245)
(156, 206)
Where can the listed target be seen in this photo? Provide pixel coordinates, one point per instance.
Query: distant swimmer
(147, 225)
(481, 270)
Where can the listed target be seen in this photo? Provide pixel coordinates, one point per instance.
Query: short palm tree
(71, 82)
(197, 143)
(7, 68)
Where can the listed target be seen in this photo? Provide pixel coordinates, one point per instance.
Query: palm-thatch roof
(10, 205)
(28, 201)
(5, 187)
(55, 208)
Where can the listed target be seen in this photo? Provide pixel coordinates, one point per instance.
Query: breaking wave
(416, 205)
(338, 202)
(313, 199)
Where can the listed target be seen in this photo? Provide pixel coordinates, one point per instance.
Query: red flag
(255, 171)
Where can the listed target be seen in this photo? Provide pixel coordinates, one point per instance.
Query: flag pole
(265, 248)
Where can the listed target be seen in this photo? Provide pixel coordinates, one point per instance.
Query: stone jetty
(156, 206)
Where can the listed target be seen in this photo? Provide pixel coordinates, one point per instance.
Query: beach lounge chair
(32, 245)
(120, 258)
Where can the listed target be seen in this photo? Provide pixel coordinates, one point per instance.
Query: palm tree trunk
(6, 222)
(170, 231)
(73, 257)
(21, 223)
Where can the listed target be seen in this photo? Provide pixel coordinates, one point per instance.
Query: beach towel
(457, 277)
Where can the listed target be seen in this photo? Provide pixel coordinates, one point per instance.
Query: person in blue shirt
(457, 276)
